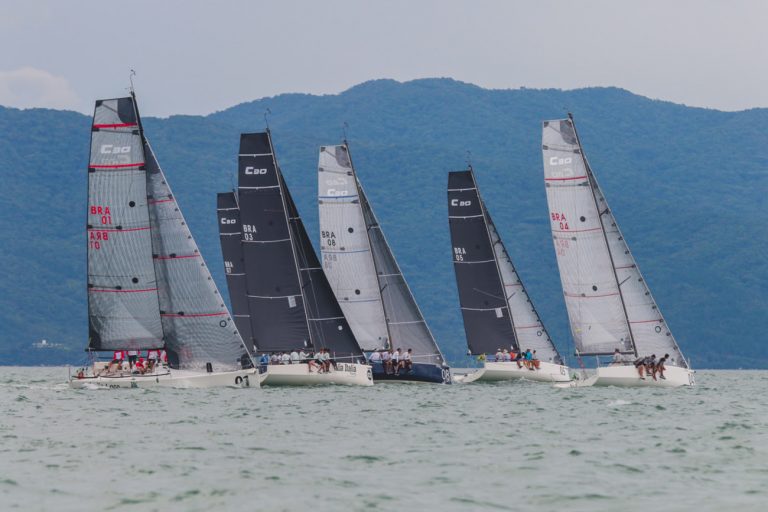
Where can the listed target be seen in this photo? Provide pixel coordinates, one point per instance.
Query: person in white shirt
(274, 359)
(396, 357)
(303, 356)
(499, 355)
(407, 361)
(617, 359)
(285, 358)
(133, 355)
(295, 358)
(375, 357)
(386, 357)
(506, 357)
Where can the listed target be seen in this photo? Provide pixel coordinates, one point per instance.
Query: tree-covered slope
(687, 185)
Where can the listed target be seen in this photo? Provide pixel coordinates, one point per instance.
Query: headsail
(123, 308)
(197, 325)
(363, 271)
(230, 231)
(496, 308)
(608, 301)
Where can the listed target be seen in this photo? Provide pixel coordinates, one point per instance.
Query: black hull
(421, 372)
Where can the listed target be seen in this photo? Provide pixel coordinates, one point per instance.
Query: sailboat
(148, 285)
(498, 313)
(276, 283)
(366, 278)
(610, 306)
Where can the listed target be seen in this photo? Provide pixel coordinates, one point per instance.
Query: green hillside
(687, 185)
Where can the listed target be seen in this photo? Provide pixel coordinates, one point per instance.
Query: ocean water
(507, 446)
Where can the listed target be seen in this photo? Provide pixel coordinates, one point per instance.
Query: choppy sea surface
(506, 446)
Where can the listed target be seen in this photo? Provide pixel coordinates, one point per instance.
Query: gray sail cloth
(609, 303)
(529, 329)
(123, 308)
(289, 299)
(363, 271)
(230, 230)
(197, 325)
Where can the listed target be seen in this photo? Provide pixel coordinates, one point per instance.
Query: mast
(593, 183)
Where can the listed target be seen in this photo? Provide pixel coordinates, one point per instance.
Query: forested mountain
(688, 187)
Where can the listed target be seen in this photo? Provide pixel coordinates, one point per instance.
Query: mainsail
(123, 307)
(230, 231)
(496, 308)
(609, 303)
(361, 267)
(160, 268)
(290, 301)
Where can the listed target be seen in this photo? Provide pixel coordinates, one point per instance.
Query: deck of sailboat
(509, 370)
(419, 373)
(346, 374)
(184, 379)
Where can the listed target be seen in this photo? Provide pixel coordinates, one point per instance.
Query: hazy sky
(196, 57)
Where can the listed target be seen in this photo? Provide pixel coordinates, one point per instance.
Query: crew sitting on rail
(285, 358)
(386, 358)
(139, 366)
(397, 357)
(406, 363)
(618, 359)
(312, 362)
(505, 356)
(499, 355)
(375, 357)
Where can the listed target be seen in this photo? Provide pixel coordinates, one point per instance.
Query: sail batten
(609, 303)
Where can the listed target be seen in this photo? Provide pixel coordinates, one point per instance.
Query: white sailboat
(497, 311)
(148, 286)
(610, 306)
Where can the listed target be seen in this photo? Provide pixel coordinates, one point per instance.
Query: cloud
(30, 87)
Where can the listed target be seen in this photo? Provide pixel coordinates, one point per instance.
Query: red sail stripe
(565, 179)
(116, 125)
(160, 201)
(116, 166)
(122, 291)
(193, 315)
(575, 230)
(117, 230)
(178, 257)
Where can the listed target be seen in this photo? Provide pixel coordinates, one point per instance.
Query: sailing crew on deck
(407, 362)
(505, 356)
(285, 358)
(640, 365)
(617, 358)
(263, 362)
(274, 358)
(375, 357)
(295, 358)
(499, 355)
(386, 358)
(133, 355)
(659, 368)
(396, 356)
(303, 356)
(312, 362)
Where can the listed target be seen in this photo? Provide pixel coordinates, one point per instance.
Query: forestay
(197, 325)
(230, 231)
(609, 303)
(123, 308)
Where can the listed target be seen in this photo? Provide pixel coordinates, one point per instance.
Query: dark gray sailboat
(499, 316)
(148, 285)
(286, 296)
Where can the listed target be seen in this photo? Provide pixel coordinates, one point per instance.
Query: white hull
(494, 372)
(627, 376)
(170, 379)
(349, 374)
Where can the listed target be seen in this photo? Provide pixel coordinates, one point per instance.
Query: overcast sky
(196, 57)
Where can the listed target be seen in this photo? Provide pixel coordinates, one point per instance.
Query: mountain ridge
(685, 183)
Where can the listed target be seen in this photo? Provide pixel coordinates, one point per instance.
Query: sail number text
(329, 238)
(458, 253)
